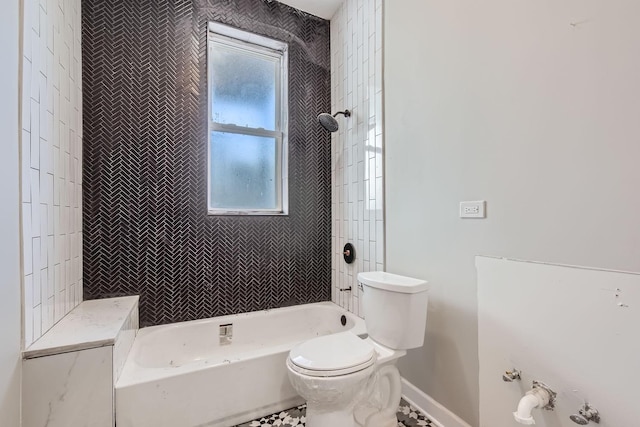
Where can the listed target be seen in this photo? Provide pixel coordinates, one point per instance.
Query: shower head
(329, 122)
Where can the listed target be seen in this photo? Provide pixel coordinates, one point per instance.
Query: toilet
(351, 381)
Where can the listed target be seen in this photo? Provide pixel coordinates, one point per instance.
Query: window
(247, 160)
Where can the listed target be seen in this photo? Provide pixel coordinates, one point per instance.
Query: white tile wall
(357, 202)
(51, 155)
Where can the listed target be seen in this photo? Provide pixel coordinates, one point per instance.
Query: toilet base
(319, 418)
(371, 417)
(368, 412)
(346, 418)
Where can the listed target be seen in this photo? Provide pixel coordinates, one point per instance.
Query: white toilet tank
(394, 309)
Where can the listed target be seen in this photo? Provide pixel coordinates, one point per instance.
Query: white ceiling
(322, 8)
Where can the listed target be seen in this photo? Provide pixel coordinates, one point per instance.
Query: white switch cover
(473, 209)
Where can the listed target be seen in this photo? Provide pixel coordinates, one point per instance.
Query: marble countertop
(93, 323)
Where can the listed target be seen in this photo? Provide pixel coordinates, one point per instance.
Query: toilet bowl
(350, 381)
(338, 375)
(331, 381)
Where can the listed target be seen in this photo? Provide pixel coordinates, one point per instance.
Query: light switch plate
(474, 209)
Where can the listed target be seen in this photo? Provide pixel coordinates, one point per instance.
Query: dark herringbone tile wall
(146, 228)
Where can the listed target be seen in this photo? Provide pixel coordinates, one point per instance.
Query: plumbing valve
(510, 376)
(585, 415)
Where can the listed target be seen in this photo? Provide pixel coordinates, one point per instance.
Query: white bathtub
(179, 375)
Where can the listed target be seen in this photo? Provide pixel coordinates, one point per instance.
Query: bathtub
(180, 375)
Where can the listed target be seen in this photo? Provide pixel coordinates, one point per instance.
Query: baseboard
(441, 416)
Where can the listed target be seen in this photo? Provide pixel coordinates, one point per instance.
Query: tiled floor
(408, 416)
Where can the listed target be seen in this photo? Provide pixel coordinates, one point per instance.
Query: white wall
(574, 329)
(51, 162)
(532, 106)
(10, 326)
(356, 161)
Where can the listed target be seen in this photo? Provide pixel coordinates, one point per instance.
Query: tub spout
(537, 397)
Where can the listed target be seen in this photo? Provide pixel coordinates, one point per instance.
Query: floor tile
(408, 416)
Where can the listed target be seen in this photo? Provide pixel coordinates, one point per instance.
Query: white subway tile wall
(51, 152)
(357, 199)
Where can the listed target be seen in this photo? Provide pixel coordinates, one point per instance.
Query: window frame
(220, 34)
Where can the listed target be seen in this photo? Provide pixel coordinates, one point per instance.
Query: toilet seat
(332, 355)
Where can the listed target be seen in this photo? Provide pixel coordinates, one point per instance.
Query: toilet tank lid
(393, 282)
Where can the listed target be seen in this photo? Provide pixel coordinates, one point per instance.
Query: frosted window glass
(244, 88)
(243, 171)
